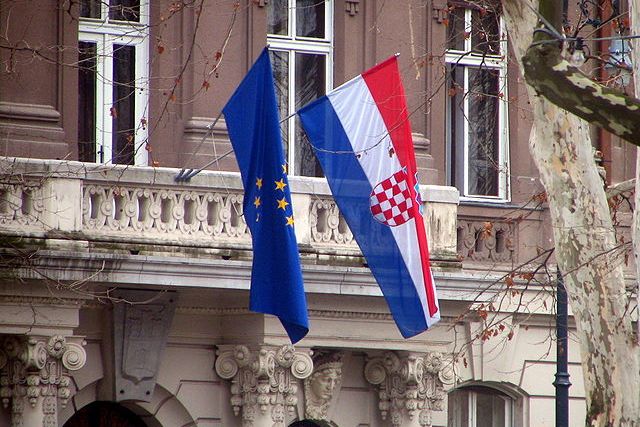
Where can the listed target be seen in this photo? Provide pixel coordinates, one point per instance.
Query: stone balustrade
(124, 204)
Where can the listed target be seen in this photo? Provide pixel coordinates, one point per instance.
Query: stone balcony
(65, 204)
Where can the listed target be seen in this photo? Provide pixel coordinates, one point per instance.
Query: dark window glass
(280, 64)
(87, 75)
(124, 10)
(456, 95)
(90, 8)
(310, 84)
(485, 32)
(483, 132)
(310, 18)
(456, 29)
(278, 17)
(490, 410)
(123, 112)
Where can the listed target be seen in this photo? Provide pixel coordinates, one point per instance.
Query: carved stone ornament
(140, 336)
(492, 241)
(34, 375)
(321, 386)
(352, 7)
(410, 385)
(440, 10)
(264, 381)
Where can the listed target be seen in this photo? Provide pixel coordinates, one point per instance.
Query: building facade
(124, 287)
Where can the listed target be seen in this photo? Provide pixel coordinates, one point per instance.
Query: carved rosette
(410, 385)
(37, 368)
(264, 381)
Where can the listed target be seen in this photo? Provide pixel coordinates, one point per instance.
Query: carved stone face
(324, 382)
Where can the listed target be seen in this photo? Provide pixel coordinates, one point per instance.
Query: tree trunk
(586, 251)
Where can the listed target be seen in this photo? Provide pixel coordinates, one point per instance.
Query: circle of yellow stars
(282, 202)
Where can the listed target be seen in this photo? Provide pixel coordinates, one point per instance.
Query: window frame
(293, 44)
(106, 33)
(468, 59)
(472, 393)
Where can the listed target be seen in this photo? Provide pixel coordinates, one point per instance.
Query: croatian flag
(362, 137)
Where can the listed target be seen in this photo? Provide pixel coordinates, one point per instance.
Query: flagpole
(187, 174)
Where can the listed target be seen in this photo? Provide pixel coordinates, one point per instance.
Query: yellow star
(282, 203)
(284, 168)
(290, 220)
(257, 202)
(280, 184)
(259, 183)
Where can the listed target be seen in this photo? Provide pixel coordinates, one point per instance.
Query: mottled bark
(586, 252)
(570, 89)
(566, 86)
(634, 14)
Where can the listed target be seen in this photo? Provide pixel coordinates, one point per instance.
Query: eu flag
(254, 129)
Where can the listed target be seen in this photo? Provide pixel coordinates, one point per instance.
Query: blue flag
(254, 129)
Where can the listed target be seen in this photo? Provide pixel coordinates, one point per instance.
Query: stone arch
(519, 398)
(164, 410)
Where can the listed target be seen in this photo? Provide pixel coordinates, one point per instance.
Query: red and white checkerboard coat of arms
(390, 201)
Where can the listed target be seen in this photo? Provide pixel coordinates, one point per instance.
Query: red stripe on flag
(385, 86)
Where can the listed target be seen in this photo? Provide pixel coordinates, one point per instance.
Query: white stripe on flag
(366, 130)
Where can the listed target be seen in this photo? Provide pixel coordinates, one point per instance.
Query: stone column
(264, 382)
(410, 385)
(34, 377)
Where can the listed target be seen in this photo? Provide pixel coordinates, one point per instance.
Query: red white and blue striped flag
(362, 137)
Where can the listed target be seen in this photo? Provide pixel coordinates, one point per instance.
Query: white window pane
(310, 18)
(278, 17)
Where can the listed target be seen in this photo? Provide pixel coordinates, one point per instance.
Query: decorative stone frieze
(328, 225)
(321, 386)
(22, 204)
(410, 385)
(160, 211)
(264, 382)
(34, 376)
(486, 240)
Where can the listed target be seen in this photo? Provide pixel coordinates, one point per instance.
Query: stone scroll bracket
(141, 323)
(35, 376)
(264, 381)
(410, 385)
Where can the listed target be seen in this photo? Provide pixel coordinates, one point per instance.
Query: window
(112, 81)
(300, 37)
(476, 103)
(479, 407)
